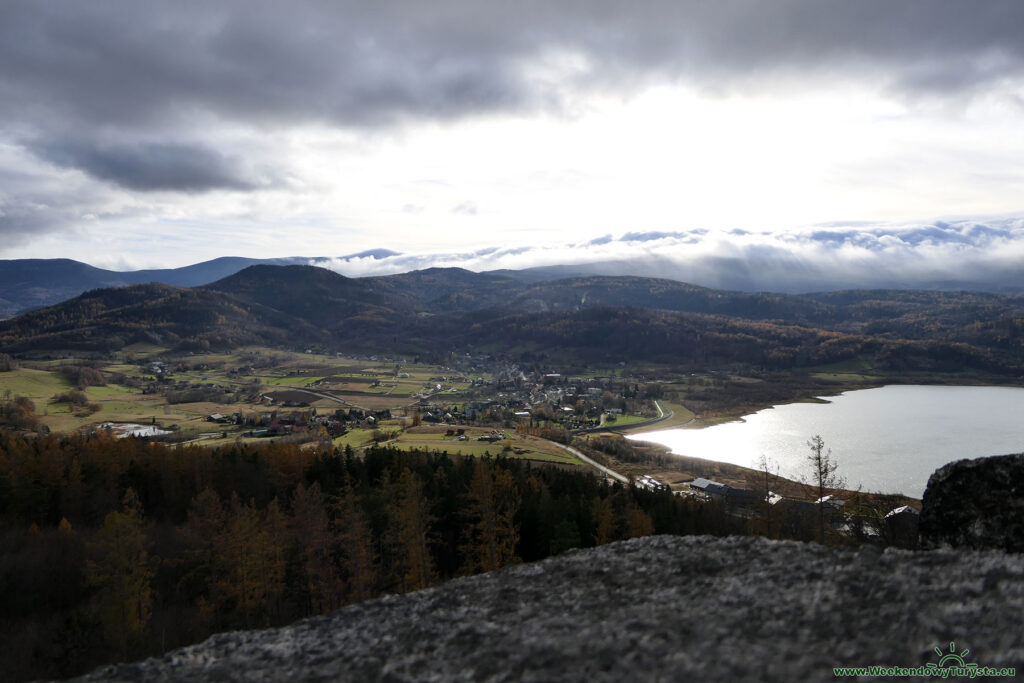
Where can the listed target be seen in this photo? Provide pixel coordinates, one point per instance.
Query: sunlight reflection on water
(888, 439)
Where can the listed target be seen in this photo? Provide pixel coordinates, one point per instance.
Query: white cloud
(961, 253)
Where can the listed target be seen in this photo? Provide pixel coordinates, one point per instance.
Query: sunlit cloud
(947, 254)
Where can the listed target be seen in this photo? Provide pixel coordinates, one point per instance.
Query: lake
(888, 439)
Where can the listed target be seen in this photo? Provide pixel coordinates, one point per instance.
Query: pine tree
(823, 469)
(410, 519)
(360, 562)
(248, 576)
(203, 533)
(316, 543)
(275, 539)
(493, 504)
(121, 574)
(601, 511)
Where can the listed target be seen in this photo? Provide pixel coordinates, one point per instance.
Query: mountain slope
(110, 319)
(313, 294)
(26, 284)
(32, 283)
(599, 319)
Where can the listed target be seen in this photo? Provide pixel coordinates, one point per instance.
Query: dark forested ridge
(109, 319)
(27, 284)
(597, 318)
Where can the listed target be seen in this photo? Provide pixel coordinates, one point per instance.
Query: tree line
(118, 548)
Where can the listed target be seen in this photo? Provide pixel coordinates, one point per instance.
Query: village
(469, 406)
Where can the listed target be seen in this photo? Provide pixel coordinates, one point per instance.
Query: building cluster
(899, 526)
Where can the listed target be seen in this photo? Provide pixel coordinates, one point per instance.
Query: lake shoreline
(889, 438)
(838, 383)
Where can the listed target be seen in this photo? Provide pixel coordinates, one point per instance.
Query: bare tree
(823, 476)
(768, 469)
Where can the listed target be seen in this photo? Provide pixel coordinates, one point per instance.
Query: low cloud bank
(959, 254)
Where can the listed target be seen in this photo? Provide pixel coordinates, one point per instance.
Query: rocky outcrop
(657, 608)
(975, 504)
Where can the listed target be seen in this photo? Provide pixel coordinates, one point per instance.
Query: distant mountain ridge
(26, 284)
(440, 311)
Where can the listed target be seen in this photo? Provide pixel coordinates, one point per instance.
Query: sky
(861, 136)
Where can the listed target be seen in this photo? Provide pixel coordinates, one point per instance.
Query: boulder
(661, 608)
(975, 504)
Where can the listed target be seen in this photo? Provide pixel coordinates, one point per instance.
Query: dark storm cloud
(371, 63)
(33, 201)
(151, 167)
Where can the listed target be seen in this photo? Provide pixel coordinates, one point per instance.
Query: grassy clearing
(682, 416)
(625, 420)
(290, 381)
(127, 369)
(356, 438)
(851, 370)
(111, 391)
(144, 350)
(34, 384)
(479, 449)
(844, 377)
(516, 446)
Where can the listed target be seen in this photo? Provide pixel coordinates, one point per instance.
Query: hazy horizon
(962, 254)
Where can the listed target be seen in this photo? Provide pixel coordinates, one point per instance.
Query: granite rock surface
(975, 503)
(657, 608)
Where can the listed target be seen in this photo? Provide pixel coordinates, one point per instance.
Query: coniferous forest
(118, 549)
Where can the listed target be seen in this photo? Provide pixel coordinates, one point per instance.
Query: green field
(35, 384)
(356, 438)
(852, 370)
(481, 449)
(289, 381)
(625, 420)
(681, 417)
(516, 446)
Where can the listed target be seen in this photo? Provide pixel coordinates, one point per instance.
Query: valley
(304, 355)
(364, 436)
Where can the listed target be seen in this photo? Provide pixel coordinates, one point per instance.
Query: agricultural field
(263, 394)
(183, 391)
(32, 383)
(613, 421)
(514, 446)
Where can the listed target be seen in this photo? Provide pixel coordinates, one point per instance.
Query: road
(329, 398)
(611, 473)
(662, 416)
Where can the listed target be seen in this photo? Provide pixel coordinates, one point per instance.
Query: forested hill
(27, 284)
(599, 318)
